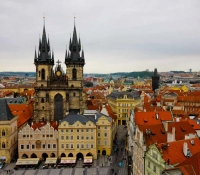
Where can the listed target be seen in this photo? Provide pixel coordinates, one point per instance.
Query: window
(77, 137)
(71, 137)
(43, 146)
(92, 145)
(71, 130)
(99, 134)
(62, 145)
(74, 72)
(105, 127)
(49, 145)
(105, 142)
(3, 133)
(42, 100)
(98, 142)
(43, 74)
(22, 146)
(91, 130)
(77, 146)
(92, 137)
(77, 130)
(155, 156)
(72, 145)
(82, 130)
(74, 94)
(61, 130)
(66, 130)
(87, 146)
(98, 127)
(87, 137)
(27, 146)
(105, 134)
(67, 137)
(54, 145)
(67, 145)
(24, 136)
(33, 146)
(149, 164)
(154, 168)
(62, 137)
(82, 137)
(86, 130)
(82, 145)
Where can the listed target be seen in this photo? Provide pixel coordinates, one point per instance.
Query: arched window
(74, 72)
(39, 73)
(3, 145)
(43, 74)
(3, 133)
(74, 94)
(42, 100)
(42, 107)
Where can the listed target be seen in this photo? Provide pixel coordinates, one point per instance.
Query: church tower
(75, 62)
(56, 92)
(155, 80)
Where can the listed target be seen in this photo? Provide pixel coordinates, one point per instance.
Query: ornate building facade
(56, 92)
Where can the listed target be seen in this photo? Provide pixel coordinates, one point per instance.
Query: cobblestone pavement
(96, 169)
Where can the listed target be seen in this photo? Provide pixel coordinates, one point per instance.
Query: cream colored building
(8, 133)
(39, 140)
(85, 135)
(122, 102)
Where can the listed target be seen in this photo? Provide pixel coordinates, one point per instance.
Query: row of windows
(78, 130)
(105, 134)
(71, 146)
(77, 137)
(105, 127)
(99, 142)
(44, 146)
(24, 136)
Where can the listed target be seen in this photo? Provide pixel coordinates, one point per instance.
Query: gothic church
(57, 93)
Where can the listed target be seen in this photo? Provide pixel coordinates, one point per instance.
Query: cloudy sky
(118, 36)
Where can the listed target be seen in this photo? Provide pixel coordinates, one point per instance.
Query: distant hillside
(21, 74)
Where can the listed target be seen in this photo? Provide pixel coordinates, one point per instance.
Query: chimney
(165, 126)
(185, 148)
(171, 136)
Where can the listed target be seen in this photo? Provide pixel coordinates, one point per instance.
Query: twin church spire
(73, 56)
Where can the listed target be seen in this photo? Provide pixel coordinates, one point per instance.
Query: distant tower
(155, 80)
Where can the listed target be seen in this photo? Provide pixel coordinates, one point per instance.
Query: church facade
(58, 92)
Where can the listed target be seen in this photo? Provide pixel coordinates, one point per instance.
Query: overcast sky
(118, 36)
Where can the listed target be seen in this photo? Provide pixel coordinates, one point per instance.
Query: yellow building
(8, 133)
(122, 102)
(77, 137)
(86, 135)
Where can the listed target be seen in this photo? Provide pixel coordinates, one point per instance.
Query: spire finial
(44, 18)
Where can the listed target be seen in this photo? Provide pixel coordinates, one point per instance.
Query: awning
(68, 160)
(29, 161)
(51, 160)
(2, 158)
(87, 159)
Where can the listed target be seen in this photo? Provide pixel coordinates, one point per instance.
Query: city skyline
(116, 37)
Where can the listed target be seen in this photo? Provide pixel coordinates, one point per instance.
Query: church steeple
(44, 53)
(155, 80)
(74, 48)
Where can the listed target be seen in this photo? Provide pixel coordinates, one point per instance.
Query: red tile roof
(174, 150)
(194, 161)
(150, 117)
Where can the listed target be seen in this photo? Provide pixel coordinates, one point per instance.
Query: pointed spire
(79, 43)
(35, 54)
(83, 57)
(66, 53)
(52, 54)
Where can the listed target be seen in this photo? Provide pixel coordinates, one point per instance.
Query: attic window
(192, 142)
(145, 120)
(162, 131)
(183, 129)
